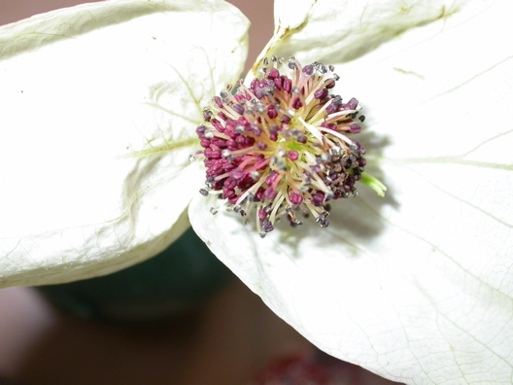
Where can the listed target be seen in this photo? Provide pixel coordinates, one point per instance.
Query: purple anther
(308, 70)
(270, 193)
(329, 83)
(297, 104)
(207, 115)
(271, 112)
(238, 108)
(318, 199)
(269, 180)
(321, 93)
(228, 193)
(255, 129)
(287, 85)
(261, 145)
(296, 198)
(293, 155)
(273, 74)
(218, 101)
(354, 128)
(352, 104)
(267, 226)
(237, 173)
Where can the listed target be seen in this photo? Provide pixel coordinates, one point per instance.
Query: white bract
(87, 94)
(417, 287)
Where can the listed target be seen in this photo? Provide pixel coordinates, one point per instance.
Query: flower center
(280, 147)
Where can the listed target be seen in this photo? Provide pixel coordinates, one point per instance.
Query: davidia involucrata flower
(101, 104)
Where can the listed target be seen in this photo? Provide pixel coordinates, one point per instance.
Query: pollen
(281, 147)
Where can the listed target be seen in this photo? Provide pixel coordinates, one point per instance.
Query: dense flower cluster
(280, 145)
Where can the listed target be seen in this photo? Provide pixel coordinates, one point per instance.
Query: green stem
(374, 184)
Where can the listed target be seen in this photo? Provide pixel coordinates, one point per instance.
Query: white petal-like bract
(338, 31)
(99, 108)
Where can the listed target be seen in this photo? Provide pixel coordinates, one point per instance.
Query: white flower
(416, 287)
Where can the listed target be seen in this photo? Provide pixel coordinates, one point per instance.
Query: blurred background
(227, 340)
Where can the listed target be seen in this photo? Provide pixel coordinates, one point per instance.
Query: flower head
(281, 145)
